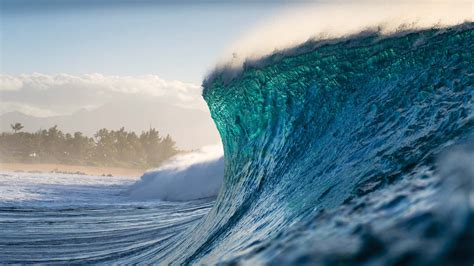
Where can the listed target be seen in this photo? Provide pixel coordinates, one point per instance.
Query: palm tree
(16, 127)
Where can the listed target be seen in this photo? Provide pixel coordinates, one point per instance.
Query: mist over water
(189, 176)
(337, 19)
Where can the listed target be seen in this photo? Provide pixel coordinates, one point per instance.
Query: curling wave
(334, 144)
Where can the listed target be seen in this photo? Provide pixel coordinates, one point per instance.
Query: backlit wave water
(331, 153)
(351, 151)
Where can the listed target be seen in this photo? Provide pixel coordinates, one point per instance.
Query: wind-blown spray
(190, 176)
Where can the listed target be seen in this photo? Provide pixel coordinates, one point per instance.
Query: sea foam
(190, 176)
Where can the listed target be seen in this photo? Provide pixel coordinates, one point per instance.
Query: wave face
(331, 154)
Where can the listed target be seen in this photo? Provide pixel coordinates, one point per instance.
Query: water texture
(350, 151)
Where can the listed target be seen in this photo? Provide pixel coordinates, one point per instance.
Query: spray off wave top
(332, 20)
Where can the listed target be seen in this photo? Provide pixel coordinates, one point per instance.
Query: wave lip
(192, 176)
(322, 20)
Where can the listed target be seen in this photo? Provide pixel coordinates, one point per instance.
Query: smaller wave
(190, 176)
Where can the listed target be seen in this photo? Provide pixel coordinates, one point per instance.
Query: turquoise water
(331, 148)
(353, 151)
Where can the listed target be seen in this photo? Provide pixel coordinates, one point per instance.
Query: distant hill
(191, 128)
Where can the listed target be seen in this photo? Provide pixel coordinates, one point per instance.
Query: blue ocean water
(73, 219)
(350, 151)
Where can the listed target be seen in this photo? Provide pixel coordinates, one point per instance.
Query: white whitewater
(186, 177)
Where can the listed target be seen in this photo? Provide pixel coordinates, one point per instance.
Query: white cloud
(10, 83)
(64, 93)
(25, 109)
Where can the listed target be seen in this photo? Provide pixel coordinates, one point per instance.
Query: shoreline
(70, 169)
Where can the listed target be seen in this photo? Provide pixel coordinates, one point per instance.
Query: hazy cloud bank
(46, 95)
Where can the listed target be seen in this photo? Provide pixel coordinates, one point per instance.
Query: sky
(177, 40)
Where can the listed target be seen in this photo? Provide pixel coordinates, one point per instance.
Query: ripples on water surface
(59, 218)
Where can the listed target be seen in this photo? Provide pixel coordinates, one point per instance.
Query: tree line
(119, 148)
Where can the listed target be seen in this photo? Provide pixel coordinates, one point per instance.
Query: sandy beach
(73, 169)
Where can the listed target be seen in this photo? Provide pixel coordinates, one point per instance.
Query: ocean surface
(75, 219)
(355, 151)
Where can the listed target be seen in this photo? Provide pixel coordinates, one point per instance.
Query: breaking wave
(191, 176)
(330, 154)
